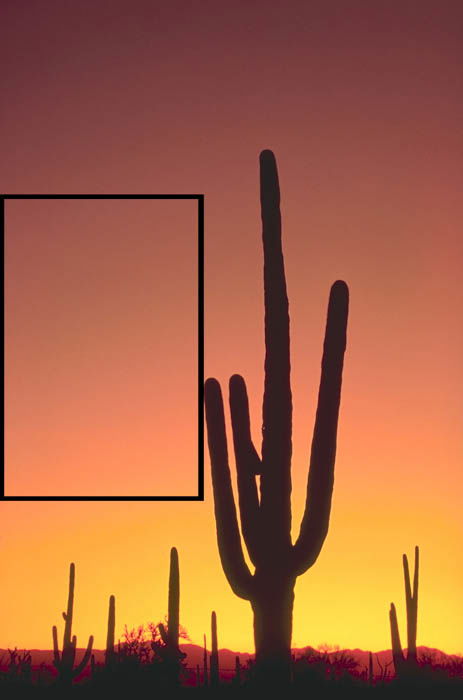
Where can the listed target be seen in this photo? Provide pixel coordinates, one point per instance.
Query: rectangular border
(200, 201)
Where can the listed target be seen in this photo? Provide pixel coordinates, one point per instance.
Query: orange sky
(362, 107)
(101, 340)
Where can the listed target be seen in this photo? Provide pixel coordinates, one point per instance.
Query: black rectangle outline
(200, 200)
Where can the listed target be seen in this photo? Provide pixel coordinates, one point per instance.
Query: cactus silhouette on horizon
(406, 664)
(214, 664)
(170, 636)
(110, 655)
(205, 678)
(64, 662)
(237, 676)
(266, 515)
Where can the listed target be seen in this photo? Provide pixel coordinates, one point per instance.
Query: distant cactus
(20, 666)
(110, 652)
(384, 673)
(266, 516)
(402, 664)
(237, 676)
(64, 663)
(205, 674)
(170, 636)
(214, 652)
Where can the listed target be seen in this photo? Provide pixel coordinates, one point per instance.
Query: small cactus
(170, 636)
(214, 652)
(110, 653)
(402, 664)
(237, 678)
(205, 674)
(64, 662)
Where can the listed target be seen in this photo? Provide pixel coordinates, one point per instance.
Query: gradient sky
(101, 347)
(361, 103)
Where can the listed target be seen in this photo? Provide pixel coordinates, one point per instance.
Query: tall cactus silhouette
(403, 665)
(110, 656)
(64, 663)
(172, 654)
(214, 665)
(266, 517)
(171, 636)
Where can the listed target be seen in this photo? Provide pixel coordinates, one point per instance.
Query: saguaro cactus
(266, 517)
(170, 636)
(172, 654)
(110, 653)
(64, 663)
(404, 664)
(205, 678)
(214, 666)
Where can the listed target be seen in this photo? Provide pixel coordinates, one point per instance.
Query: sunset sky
(95, 290)
(361, 103)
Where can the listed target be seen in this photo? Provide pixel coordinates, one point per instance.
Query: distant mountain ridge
(227, 657)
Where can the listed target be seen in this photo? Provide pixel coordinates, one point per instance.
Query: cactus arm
(397, 653)
(163, 633)
(277, 402)
(174, 599)
(316, 517)
(228, 535)
(248, 464)
(408, 603)
(415, 577)
(80, 667)
(411, 600)
(408, 590)
(56, 656)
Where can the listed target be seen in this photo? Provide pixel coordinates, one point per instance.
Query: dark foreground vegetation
(149, 660)
(136, 671)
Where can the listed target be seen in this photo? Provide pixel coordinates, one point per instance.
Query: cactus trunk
(266, 514)
(174, 599)
(171, 653)
(110, 655)
(273, 612)
(214, 666)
